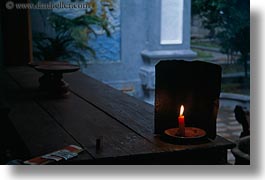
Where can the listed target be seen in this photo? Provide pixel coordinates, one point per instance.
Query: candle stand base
(192, 136)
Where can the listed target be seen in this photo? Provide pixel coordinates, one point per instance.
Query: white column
(168, 33)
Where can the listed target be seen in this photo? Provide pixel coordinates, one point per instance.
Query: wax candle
(181, 121)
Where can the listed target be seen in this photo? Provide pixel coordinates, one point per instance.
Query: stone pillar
(168, 38)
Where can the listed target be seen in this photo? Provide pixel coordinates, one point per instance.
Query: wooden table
(92, 110)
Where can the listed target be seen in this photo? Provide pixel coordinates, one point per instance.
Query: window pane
(171, 21)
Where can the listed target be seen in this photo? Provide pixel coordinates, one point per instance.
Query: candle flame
(181, 110)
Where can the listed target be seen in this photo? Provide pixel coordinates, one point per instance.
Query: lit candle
(181, 121)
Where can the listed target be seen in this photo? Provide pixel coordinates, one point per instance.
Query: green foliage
(202, 54)
(72, 36)
(58, 48)
(84, 22)
(229, 22)
(205, 44)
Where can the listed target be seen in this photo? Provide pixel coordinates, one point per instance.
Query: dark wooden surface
(94, 110)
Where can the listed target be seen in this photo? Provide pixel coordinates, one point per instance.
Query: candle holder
(52, 79)
(192, 135)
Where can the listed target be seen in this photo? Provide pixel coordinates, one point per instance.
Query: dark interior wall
(16, 34)
(1, 44)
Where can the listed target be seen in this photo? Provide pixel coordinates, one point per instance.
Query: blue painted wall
(124, 74)
(107, 49)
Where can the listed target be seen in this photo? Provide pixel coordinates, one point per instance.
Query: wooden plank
(86, 123)
(134, 113)
(37, 129)
(130, 111)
